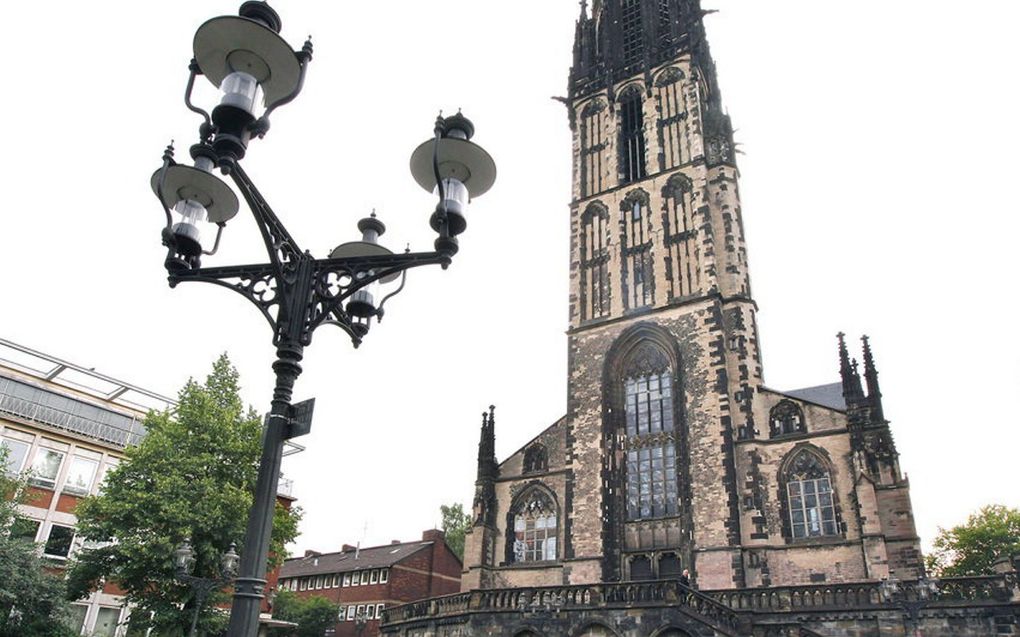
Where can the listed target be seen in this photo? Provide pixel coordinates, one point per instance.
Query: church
(679, 495)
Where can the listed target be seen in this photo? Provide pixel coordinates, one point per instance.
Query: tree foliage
(972, 548)
(31, 596)
(455, 525)
(192, 476)
(313, 615)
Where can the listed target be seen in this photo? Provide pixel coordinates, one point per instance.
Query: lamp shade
(459, 159)
(353, 249)
(230, 44)
(186, 183)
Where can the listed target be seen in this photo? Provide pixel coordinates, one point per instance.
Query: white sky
(880, 158)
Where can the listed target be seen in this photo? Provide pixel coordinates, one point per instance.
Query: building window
(596, 630)
(76, 617)
(24, 529)
(632, 137)
(351, 613)
(360, 612)
(682, 267)
(631, 31)
(650, 430)
(595, 261)
(336, 580)
(534, 527)
(593, 146)
(672, 124)
(45, 467)
(106, 622)
(374, 579)
(80, 475)
(536, 459)
(786, 418)
(641, 568)
(16, 452)
(347, 579)
(370, 611)
(364, 578)
(637, 251)
(384, 576)
(810, 497)
(304, 583)
(58, 543)
(670, 566)
(355, 578)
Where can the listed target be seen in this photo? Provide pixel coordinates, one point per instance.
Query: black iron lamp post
(257, 72)
(184, 566)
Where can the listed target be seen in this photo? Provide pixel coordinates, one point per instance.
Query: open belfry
(680, 495)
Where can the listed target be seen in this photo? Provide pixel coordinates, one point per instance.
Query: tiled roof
(345, 562)
(825, 395)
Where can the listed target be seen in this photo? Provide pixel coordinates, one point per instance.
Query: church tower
(663, 339)
(673, 454)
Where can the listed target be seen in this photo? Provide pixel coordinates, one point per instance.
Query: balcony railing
(568, 598)
(73, 416)
(728, 609)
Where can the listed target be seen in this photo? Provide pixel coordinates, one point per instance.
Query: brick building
(363, 582)
(69, 426)
(673, 453)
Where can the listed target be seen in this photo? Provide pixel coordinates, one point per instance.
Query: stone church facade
(674, 455)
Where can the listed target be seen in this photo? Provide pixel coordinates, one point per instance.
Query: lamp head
(465, 169)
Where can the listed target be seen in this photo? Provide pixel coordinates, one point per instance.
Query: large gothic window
(595, 261)
(534, 527)
(786, 418)
(672, 126)
(596, 630)
(632, 136)
(682, 267)
(810, 497)
(593, 145)
(651, 447)
(637, 251)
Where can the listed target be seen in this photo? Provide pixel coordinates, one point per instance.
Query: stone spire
(484, 508)
(871, 378)
(853, 393)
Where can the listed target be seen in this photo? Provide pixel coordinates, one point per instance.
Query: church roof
(825, 395)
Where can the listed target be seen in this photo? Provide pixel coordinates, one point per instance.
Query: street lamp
(184, 567)
(257, 72)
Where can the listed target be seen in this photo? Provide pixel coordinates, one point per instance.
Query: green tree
(32, 600)
(455, 525)
(313, 615)
(193, 476)
(972, 548)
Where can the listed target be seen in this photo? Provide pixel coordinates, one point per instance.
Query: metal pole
(250, 583)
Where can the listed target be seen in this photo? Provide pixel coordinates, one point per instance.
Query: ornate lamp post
(184, 563)
(257, 72)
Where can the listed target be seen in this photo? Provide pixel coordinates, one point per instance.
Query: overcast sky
(879, 142)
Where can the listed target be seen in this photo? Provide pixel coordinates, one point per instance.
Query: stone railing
(988, 588)
(558, 599)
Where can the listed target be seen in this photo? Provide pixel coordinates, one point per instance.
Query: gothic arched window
(593, 143)
(670, 566)
(536, 459)
(596, 630)
(786, 418)
(534, 527)
(672, 126)
(809, 496)
(632, 136)
(595, 261)
(641, 568)
(682, 267)
(637, 250)
(651, 447)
